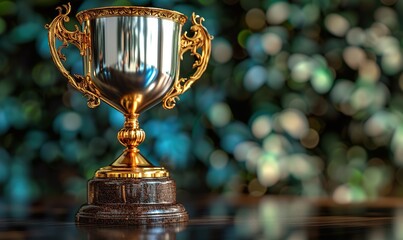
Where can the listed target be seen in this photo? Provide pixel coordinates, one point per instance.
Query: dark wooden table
(236, 217)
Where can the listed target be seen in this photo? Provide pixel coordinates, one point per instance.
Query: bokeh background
(300, 98)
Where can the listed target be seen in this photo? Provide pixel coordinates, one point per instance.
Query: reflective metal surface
(133, 60)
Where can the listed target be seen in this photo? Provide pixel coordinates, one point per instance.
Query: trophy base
(131, 201)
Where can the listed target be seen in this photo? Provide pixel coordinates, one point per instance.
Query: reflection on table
(226, 218)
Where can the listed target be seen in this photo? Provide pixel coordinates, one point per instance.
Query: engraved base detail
(131, 201)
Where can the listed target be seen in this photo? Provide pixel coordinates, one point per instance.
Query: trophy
(131, 58)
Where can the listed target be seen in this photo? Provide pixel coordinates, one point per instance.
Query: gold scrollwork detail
(131, 11)
(200, 39)
(80, 40)
(86, 86)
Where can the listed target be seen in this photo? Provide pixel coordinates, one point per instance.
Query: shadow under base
(131, 201)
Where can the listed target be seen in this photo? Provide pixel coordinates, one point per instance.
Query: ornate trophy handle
(200, 39)
(78, 39)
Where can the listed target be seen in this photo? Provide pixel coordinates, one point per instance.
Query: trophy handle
(200, 39)
(81, 41)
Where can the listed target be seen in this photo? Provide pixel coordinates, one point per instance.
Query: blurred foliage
(301, 97)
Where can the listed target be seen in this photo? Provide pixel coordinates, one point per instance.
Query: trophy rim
(139, 11)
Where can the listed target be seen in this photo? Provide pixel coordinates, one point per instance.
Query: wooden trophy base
(131, 201)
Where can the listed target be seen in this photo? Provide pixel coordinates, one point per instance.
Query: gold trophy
(131, 61)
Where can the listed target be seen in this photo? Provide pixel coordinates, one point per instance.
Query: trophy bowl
(131, 58)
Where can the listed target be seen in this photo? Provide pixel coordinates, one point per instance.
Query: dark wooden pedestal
(131, 201)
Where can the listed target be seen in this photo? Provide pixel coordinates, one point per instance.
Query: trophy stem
(131, 135)
(131, 164)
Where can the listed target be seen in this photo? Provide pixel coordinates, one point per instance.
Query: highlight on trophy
(131, 58)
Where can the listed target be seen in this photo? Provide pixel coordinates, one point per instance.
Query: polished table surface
(223, 217)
